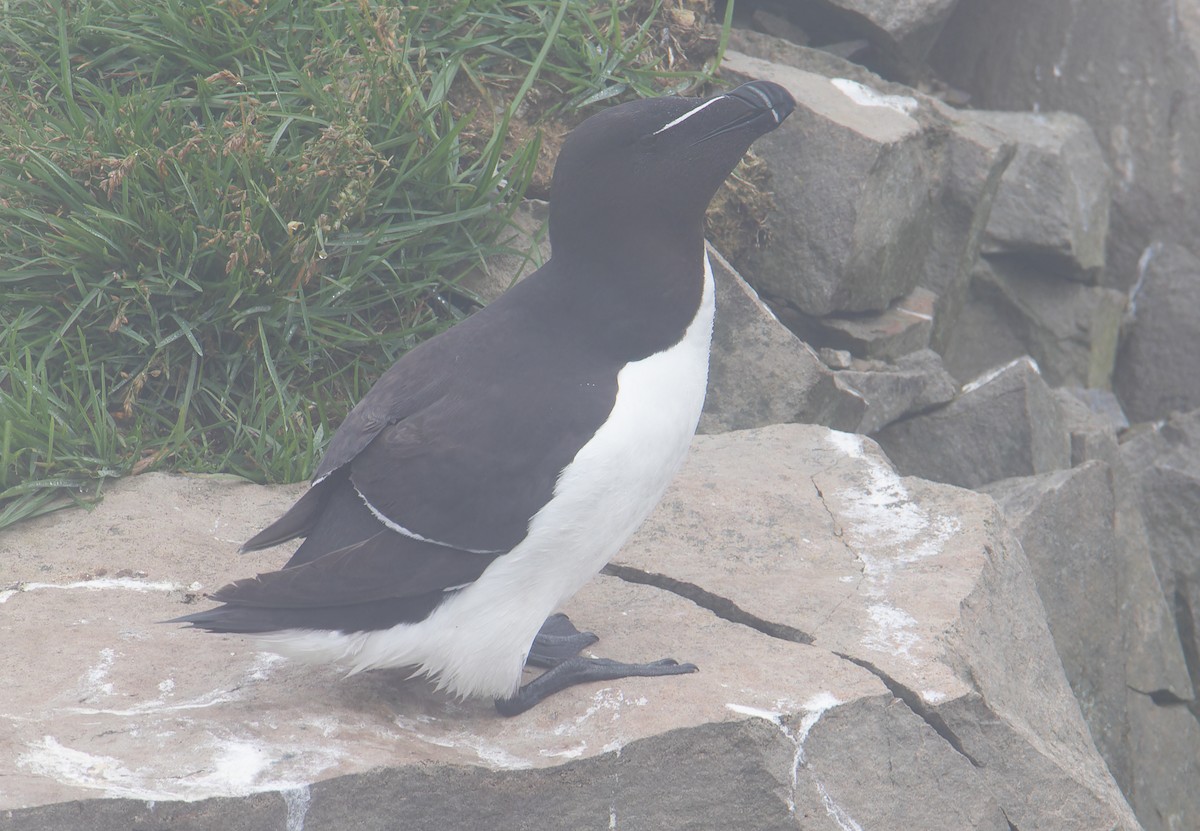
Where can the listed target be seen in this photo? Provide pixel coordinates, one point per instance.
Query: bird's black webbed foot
(556, 641)
(580, 670)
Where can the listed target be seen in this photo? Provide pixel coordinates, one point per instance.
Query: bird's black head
(652, 166)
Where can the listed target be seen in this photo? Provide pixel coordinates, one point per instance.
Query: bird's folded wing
(384, 567)
(475, 487)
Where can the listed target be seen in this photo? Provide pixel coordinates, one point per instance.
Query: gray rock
(1004, 424)
(976, 157)
(1113, 628)
(1130, 69)
(835, 358)
(731, 773)
(760, 373)
(1093, 436)
(903, 538)
(903, 30)
(1161, 706)
(968, 158)
(1163, 462)
(893, 658)
(1166, 765)
(912, 384)
(1053, 198)
(1157, 369)
(844, 747)
(1070, 329)
(1079, 578)
(1102, 403)
(776, 25)
(854, 180)
(900, 329)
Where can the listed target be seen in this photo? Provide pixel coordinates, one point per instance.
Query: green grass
(220, 221)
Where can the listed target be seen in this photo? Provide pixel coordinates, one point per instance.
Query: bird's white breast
(475, 643)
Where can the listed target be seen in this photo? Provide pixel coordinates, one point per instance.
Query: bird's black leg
(556, 641)
(580, 670)
(556, 647)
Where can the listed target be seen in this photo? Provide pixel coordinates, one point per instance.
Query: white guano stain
(839, 814)
(236, 767)
(813, 709)
(1143, 265)
(608, 700)
(756, 712)
(158, 705)
(865, 96)
(887, 530)
(491, 755)
(127, 583)
(297, 801)
(222, 763)
(93, 684)
(993, 374)
(894, 630)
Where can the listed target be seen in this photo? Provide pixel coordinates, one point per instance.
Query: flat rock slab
(126, 706)
(844, 621)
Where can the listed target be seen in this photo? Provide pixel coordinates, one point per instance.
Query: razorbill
(496, 468)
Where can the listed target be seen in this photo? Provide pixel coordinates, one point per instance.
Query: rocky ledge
(872, 653)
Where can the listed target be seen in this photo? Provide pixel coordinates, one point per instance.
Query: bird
(498, 466)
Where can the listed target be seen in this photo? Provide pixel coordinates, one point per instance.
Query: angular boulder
(760, 373)
(902, 328)
(846, 621)
(1158, 365)
(1093, 435)
(1131, 70)
(1113, 626)
(912, 384)
(1003, 424)
(977, 156)
(903, 30)
(1013, 308)
(1053, 198)
(854, 183)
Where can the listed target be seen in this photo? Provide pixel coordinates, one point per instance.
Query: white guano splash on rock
(992, 375)
(865, 96)
(812, 709)
(127, 583)
(887, 531)
(223, 762)
(233, 767)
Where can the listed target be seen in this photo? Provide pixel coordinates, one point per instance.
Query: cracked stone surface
(872, 655)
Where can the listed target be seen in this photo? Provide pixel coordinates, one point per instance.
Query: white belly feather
(475, 643)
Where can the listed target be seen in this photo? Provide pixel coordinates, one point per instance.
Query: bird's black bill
(768, 103)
